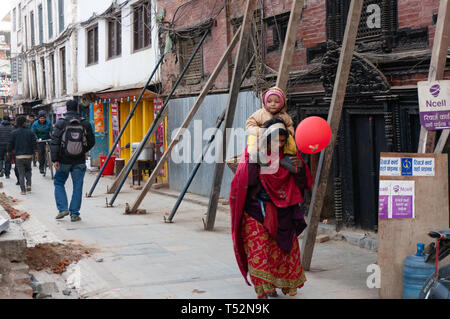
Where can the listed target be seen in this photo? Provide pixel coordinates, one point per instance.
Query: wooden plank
(398, 238)
(165, 157)
(231, 107)
(334, 117)
(289, 44)
(437, 68)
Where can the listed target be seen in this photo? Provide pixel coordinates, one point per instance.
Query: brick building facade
(393, 52)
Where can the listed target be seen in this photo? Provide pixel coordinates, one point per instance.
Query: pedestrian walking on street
(267, 219)
(43, 129)
(23, 142)
(72, 138)
(12, 156)
(5, 159)
(30, 121)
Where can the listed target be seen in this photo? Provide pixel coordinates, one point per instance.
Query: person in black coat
(23, 142)
(5, 161)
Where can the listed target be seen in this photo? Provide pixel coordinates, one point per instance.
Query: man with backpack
(72, 138)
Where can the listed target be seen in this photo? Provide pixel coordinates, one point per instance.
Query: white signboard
(396, 199)
(434, 104)
(407, 166)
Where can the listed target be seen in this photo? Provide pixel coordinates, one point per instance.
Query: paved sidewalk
(143, 257)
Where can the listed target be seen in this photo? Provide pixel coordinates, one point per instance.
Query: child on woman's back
(274, 106)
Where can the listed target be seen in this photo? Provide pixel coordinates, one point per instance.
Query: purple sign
(402, 207)
(383, 206)
(436, 120)
(434, 104)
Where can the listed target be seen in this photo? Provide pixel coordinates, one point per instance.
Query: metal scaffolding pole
(199, 162)
(127, 169)
(130, 115)
(208, 85)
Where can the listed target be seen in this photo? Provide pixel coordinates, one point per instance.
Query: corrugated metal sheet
(208, 113)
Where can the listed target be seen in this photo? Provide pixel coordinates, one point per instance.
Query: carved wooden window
(378, 17)
(186, 47)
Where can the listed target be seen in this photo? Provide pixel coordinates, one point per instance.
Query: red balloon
(313, 134)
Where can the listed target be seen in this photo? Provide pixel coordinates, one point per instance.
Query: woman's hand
(296, 162)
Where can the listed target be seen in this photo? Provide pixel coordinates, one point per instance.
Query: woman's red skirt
(269, 267)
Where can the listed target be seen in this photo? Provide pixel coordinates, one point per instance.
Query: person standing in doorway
(72, 138)
(5, 161)
(42, 128)
(23, 142)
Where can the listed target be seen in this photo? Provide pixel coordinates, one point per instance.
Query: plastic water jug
(415, 273)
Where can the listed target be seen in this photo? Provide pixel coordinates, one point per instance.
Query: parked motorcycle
(437, 285)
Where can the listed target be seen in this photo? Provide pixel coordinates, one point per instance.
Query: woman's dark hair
(274, 121)
(20, 121)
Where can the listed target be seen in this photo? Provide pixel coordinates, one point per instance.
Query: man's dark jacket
(22, 141)
(58, 131)
(5, 131)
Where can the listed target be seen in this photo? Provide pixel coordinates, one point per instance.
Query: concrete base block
(13, 245)
(4, 225)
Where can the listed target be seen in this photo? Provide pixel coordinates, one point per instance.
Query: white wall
(128, 69)
(20, 45)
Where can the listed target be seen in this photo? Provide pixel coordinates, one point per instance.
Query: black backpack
(73, 139)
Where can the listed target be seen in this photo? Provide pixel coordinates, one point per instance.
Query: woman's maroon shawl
(238, 196)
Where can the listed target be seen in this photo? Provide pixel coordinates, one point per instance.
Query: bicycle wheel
(444, 272)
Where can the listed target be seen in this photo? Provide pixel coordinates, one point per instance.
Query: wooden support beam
(165, 157)
(231, 108)
(437, 69)
(289, 44)
(334, 117)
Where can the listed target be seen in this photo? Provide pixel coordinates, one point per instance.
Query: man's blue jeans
(77, 173)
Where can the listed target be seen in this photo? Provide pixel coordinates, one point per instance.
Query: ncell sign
(434, 104)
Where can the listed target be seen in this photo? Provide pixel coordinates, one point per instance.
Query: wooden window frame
(41, 23)
(63, 72)
(52, 73)
(278, 26)
(141, 26)
(44, 80)
(114, 37)
(61, 15)
(32, 29)
(92, 45)
(195, 72)
(50, 18)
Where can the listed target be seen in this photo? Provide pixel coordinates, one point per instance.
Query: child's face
(273, 104)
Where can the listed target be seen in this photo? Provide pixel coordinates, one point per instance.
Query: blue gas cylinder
(415, 273)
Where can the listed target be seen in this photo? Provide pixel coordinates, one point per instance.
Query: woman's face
(273, 104)
(280, 142)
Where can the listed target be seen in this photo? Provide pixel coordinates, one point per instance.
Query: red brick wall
(412, 14)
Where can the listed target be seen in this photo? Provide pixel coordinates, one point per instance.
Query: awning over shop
(123, 92)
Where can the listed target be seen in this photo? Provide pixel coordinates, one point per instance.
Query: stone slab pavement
(140, 256)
